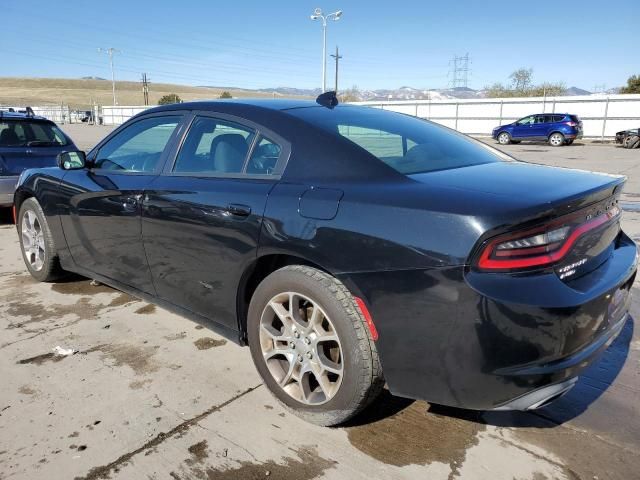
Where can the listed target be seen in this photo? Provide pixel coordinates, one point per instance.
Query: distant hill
(83, 92)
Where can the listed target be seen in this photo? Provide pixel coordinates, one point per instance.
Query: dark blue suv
(27, 141)
(556, 128)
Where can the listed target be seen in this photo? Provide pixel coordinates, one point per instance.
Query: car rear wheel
(504, 138)
(633, 142)
(556, 139)
(311, 345)
(36, 243)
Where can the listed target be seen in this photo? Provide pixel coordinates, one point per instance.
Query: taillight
(571, 124)
(542, 246)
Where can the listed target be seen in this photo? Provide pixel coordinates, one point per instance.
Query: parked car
(348, 247)
(629, 138)
(27, 141)
(556, 128)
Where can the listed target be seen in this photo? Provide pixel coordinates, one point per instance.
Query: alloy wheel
(503, 138)
(301, 348)
(556, 140)
(33, 240)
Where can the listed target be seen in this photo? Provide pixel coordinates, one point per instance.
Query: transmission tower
(459, 71)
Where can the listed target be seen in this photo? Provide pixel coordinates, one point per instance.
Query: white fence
(57, 113)
(118, 115)
(602, 116)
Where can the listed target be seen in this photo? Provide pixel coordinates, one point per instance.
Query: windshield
(407, 144)
(25, 133)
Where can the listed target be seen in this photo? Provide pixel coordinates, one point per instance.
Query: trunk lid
(528, 196)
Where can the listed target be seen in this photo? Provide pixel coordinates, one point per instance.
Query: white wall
(118, 115)
(480, 116)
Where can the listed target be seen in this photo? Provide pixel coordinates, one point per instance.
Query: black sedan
(348, 247)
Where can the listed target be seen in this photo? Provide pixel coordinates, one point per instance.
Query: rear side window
(264, 158)
(558, 118)
(407, 144)
(24, 133)
(214, 146)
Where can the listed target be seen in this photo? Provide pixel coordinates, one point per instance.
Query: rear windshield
(574, 118)
(25, 133)
(407, 144)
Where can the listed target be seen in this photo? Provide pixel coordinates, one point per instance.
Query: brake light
(571, 124)
(540, 247)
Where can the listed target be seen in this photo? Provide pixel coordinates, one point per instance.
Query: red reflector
(367, 317)
(13, 209)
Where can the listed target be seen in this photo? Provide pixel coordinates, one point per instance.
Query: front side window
(407, 144)
(25, 133)
(214, 146)
(526, 120)
(138, 147)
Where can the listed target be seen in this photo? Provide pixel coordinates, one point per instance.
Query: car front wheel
(504, 138)
(556, 139)
(311, 345)
(36, 243)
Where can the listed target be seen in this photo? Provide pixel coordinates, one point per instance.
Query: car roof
(4, 114)
(265, 103)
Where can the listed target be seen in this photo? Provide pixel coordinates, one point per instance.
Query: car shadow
(6, 216)
(593, 382)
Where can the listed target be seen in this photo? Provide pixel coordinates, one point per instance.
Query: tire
(556, 139)
(36, 243)
(633, 142)
(516, 142)
(304, 349)
(504, 138)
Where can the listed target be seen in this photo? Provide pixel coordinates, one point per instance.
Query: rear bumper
(488, 341)
(7, 189)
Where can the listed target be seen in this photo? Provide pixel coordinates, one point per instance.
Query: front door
(523, 128)
(101, 205)
(202, 217)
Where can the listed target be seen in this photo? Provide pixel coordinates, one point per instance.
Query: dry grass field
(80, 93)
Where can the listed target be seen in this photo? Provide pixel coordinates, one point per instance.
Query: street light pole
(110, 51)
(318, 15)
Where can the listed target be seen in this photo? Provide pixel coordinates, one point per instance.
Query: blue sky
(257, 44)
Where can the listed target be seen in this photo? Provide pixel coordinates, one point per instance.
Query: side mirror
(71, 160)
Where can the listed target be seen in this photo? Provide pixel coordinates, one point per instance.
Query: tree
(225, 94)
(521, 79)
(350, 95)
(547, 89)
(633, 85)
(169, 99)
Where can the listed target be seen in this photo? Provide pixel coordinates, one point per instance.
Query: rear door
(101, 205)
(538, 129)
(202, 217)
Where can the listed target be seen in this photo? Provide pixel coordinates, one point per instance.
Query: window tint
(384, 145)
(539, 118)
(430, 146)
(23, 133)
(214, 146)
(558, 118)
(264, 157)
(574, 118)
(526, 120)
(139, 146)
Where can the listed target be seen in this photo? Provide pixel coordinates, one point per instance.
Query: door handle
(239, 210)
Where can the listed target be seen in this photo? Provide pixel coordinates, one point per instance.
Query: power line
(111, 51)
(145, 88)
(459, 71)
(337, 57)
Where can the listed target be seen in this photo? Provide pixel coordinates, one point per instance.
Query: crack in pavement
(104, 470)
